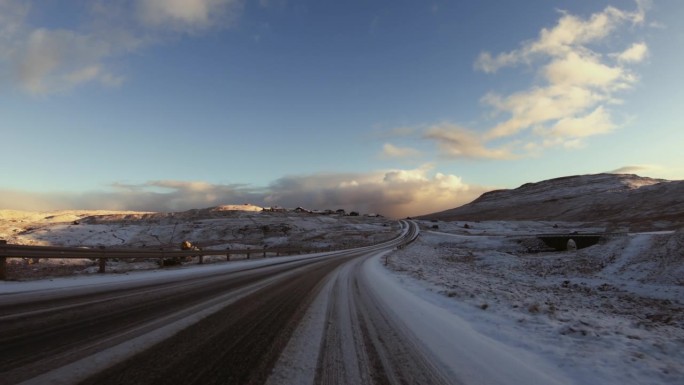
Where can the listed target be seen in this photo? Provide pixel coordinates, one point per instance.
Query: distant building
(275, 209)
(322, 212)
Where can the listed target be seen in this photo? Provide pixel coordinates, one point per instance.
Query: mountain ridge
(625, 200)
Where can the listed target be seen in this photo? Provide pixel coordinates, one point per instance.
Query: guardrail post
(103, 263)
(264, 251)
(3, 268)
(248, 252)
(201, 259)
(3, 264)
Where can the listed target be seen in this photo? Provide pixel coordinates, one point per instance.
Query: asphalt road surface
(248, 326)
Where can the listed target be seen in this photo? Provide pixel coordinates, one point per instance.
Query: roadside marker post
(3, 263)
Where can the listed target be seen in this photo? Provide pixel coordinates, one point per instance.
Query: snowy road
(336, 318)
(227, 324)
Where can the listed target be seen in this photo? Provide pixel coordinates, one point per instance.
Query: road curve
(235, 327)
(362, 343)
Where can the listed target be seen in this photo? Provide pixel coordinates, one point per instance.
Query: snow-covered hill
(622, 200)
(230, 226)
(234, 227)
(608, 314)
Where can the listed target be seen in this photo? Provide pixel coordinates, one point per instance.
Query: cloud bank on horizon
(394, 193)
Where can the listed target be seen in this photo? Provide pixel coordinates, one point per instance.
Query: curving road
(312, 319)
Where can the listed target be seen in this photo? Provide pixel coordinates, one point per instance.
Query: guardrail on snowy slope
(102, 254)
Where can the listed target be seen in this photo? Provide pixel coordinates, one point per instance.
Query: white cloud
(394, 193)
(571, 31)
(349, 184)
(636, 169)
(186, 15)
(55, 60)
(576, 82)
(539, 105)
(454, 141)
(570, 34)
(488, 64)
(44, 60)
(391, 151)
(12, 17)
(672, 172)
(195, 187)
(567, 101)
(595, 123)
(169, 195)
(634, 54)
(575, 69)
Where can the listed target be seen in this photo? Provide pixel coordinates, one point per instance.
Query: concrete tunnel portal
(561, 242)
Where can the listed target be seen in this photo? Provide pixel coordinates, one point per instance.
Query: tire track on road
(39, 343)
(239, 344)
(363, 344)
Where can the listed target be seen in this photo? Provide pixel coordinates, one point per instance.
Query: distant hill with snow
(620, 200)
(227, 226)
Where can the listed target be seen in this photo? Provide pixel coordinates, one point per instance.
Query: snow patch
(607, 314)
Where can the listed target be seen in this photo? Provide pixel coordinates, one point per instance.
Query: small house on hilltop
(275, 209)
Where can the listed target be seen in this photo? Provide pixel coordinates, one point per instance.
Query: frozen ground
(607, 314)
(213, 228)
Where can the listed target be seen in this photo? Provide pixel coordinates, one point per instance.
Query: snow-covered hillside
(220, 228)
(217, 227)
(622, 201)
(607, 314)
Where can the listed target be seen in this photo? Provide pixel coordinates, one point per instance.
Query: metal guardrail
(102, 254)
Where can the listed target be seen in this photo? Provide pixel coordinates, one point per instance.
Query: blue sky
(398, 107)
